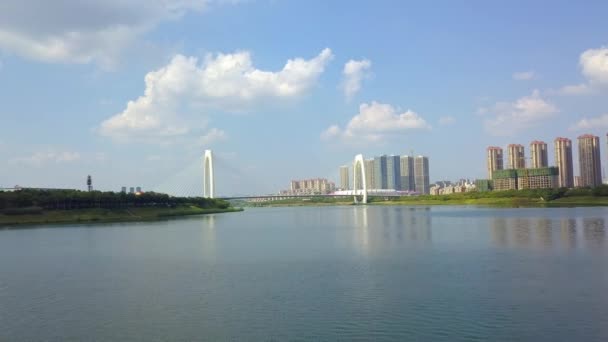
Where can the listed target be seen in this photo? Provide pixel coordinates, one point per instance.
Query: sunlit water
(355, 272)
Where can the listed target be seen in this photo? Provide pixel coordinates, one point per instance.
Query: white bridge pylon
(359, 163)
(208, 179)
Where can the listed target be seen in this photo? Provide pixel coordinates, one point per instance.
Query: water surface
(354, 272)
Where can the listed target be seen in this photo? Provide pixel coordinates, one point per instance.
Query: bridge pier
(359, 163)
(208, 179)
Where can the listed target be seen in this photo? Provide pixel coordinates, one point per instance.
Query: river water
(308, 273)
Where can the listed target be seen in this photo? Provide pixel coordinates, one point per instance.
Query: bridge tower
(208, 180)
(359, 164)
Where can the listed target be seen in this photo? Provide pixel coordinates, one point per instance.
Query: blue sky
(132, 92)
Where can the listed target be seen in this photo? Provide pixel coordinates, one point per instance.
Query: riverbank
(100, 215)
(500, 200)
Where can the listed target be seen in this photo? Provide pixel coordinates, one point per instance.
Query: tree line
(76, 199)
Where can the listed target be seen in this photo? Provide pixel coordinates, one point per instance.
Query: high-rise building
(344, 180)
(539, 154)
(380, 174)
(393, 172)
(421, 174)
(563, 161)
(370, 177)
(495, 161)
(589, 160)
(131, 190)
(123, 190)
(407, 174)
(517, 159)
(138, 189)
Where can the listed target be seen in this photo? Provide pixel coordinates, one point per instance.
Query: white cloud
(594, 64)
(446, 120)
(594, 67)
(214, 135)
(375, 122)
(508, 118)
(353, 74)
(524, 75)
(76, 31)
(42, 158)
(591, 123)
(177, 95)
(331, 132)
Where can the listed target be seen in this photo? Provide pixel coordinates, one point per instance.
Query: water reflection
(522, 231)
(500, 234)
(544, 231)
(208, 237)
(539, 231)
(361, 222)
(594, 231)
(568, 232)
(378, 228)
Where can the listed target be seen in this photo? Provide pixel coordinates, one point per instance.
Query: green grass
(106, 215)
(579, 201)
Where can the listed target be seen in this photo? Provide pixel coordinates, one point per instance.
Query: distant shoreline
(509, 202)
(100, 215)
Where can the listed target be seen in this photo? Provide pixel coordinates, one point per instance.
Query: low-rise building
(483, 185)
(315, 186)
(504, 179)
(538, 178)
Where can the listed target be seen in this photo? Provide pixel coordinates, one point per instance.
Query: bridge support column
(359, 164)
(208, 180)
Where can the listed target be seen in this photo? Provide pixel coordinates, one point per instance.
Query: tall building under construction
(517, 158)
(563, 161)
(589, 160)
(539, 154)
(495, 160)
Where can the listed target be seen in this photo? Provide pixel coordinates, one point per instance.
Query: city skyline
(140, 105)
(560, 174)
(389, 172)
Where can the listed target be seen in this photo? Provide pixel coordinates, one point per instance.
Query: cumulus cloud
(178, 94)
(42, 158)
(376, 121)
(591, 123)
(594, 64)
(83, 31)
(446, 120)
(353, 74)
(508, 118)
(524, 75)
(594, 67)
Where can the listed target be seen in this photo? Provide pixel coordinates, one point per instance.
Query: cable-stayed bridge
(199, 178)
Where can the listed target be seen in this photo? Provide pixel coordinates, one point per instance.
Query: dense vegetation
(30, 200)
